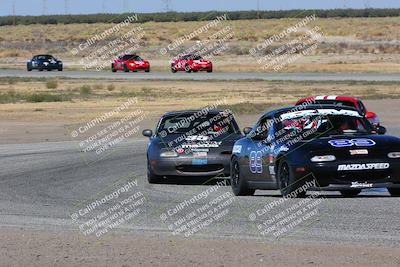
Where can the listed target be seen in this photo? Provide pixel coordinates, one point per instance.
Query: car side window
(361, 107)
(263, 127)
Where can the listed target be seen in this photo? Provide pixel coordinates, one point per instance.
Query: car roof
(191, 111)
(43, 56)
(277, 112)
(328, 97)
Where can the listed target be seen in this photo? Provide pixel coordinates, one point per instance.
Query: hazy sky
(35, 7)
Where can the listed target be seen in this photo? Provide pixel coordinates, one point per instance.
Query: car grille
(200, 168)
(363, 176)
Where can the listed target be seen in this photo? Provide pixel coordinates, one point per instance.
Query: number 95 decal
(352, 142)
(255, 162)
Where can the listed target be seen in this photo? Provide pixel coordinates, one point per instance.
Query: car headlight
(394, 155)
(324, 158)
(168, 154)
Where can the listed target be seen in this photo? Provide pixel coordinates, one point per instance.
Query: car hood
(178, 140)
(349, 142)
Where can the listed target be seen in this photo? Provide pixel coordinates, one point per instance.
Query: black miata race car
(44, 62)
(191, 143)
(318, 148)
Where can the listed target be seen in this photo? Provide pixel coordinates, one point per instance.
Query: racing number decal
(353, 142)
(255, 162)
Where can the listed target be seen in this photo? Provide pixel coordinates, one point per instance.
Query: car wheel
(239, 186)
(60, 69)
(210, 70)
(40, 68)
(173, 70)
(147, 70)
(126, 68)
(394, 192)
(29, 69)
(286, 183)
(188, 69)
(113, 68)
(350, 193)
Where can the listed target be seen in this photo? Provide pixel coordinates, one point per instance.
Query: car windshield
(196, 124)
(195, 57)
(44, 57)
(307, 126)
(132, 57)
(338, 103)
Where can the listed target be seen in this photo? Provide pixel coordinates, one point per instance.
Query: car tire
(126, 68)
(29, 69)
(152, 178)
(210, 70)
(40, 68)
(173, 70)
(147, 70)
(60, 69)
(286, 182)
(188, 69)
(113, 68)
(239, 186)
(394, 192)
(350, 193)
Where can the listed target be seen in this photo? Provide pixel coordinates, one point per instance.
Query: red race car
(130, 63)
(191, 63)
(343, 101)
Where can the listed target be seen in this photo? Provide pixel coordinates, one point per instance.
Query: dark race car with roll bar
(44, 62)
(326, 147)
(191, 143)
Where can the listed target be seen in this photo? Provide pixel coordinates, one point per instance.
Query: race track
(207, 76)
(41, 183)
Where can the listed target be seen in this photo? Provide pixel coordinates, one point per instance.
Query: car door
(258, 150)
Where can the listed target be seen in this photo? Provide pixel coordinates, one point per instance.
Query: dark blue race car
(318, 148)
(193, 143)
(44, 62)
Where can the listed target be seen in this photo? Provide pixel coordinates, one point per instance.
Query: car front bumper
(190, 166)
(200, 67)
(328, 177)
(138, 66)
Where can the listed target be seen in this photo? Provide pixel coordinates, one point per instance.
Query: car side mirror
(148, 133)
(380, 130)
(247, 130)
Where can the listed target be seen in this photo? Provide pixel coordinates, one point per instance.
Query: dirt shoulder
(39, 248)
(20, 131)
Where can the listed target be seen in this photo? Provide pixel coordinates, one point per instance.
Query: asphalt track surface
(201, 76)
(41, 184)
